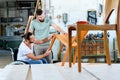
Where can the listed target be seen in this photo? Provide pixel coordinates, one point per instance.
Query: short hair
(39, 11)
(27, 35)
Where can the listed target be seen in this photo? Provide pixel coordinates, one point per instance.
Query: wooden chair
(112, 5)
(64, 42)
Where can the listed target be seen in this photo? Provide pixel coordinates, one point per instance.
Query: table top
(45, 72)
(91, 71)
(15, 72)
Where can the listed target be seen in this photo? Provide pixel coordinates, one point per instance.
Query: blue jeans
(40, 49)
(41, 61)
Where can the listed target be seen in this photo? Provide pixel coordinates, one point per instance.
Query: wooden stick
(52, 42)
(33, 17)
(28, 23)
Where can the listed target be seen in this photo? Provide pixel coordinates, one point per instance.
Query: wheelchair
(14, 53)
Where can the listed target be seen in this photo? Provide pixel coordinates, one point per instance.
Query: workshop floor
(5, 58)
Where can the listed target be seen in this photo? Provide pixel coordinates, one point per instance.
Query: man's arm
(58, 28)
(33, 57)
(43, 40)
(40, 41)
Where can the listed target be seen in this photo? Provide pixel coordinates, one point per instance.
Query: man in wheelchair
(26, 53)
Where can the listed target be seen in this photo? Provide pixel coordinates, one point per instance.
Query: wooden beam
(28, 23)
(97, 27)
(38, 5)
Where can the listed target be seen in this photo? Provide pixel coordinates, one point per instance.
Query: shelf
(95, 48)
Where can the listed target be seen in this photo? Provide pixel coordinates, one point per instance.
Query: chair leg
(59, 52)
(75, 56)
(52, 42)
(106, 48)
(64, 58)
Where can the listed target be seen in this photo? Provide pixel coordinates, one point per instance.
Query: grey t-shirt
(41, 29)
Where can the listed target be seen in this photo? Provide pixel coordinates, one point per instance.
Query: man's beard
(41, 20)
(31, 42)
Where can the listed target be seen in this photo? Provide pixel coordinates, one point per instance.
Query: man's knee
(44, 61)
(49, 58)
(40, 61)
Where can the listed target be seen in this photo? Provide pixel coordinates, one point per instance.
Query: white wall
(76, 9)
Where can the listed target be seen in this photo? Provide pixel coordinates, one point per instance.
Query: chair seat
(64, 40)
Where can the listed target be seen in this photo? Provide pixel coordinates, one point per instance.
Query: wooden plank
(45, 72)
(28, 24)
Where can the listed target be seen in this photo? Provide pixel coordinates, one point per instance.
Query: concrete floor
(5, 58)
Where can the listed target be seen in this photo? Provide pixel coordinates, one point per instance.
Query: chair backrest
(110, 6)
(114, 4)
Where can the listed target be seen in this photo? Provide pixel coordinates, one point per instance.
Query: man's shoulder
(34, 20)
(47, 19)
(21, 43)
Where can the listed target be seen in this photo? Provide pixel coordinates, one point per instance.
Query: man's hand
(50, 37)
(47, 52)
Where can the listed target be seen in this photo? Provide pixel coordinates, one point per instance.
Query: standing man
(40, 28)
